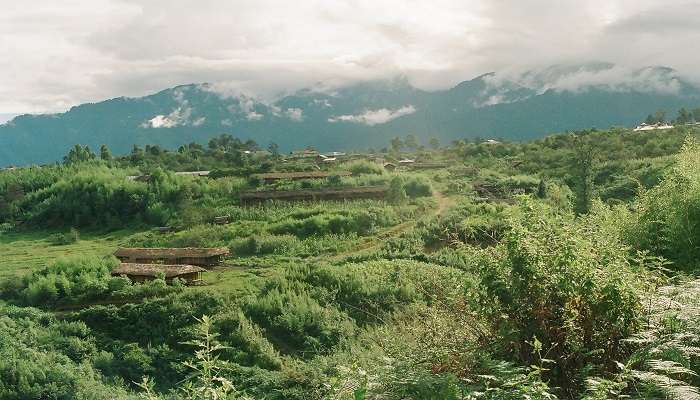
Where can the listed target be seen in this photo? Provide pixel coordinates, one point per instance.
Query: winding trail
(375, 242)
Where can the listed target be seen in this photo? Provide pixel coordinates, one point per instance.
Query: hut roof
(194, 173)
(170, 271)
(302, 175)
(172, 252)
(359, 191)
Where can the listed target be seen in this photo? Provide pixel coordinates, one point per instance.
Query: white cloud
(254, 116)
(59, 54)
(6, 117)
(323, 103)
(375, 117)
(514, 85)
(295, 114)
(178, 117)
(181, 116)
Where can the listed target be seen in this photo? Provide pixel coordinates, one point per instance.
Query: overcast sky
(55, 54)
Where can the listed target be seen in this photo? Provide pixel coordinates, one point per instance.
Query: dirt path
(375, 242)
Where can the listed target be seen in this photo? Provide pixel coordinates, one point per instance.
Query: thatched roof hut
(362, 192)
(184, 255)
(430, 165)
(196, 174)
(293, 176)
(144, 272)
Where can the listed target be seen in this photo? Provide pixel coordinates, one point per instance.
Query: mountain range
(513, 106)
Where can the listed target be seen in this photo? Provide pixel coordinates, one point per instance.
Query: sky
(56, 54)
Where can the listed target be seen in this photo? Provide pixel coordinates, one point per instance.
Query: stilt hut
(204, 257)
(148, 272)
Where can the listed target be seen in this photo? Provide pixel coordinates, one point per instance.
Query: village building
(147, 272)
(406, 161)
(258, 154)
(196, 174)
(222, 220)
(362, 192)
(651, 127)
(491, 141)
(389, 166)
(295, 176)
(206, 257)
(429, 165)
(307, 153)
(138, 178)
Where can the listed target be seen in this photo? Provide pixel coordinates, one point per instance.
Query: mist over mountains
(514, 106)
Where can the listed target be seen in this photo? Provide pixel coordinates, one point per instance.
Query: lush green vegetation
(559, 268)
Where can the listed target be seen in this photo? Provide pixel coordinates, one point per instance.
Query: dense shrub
(418, 186)
(61, 239)
(560, 290)
(357, 221)
(100, 196)
(77, 280)
(364, 167)
(479, 224)
(666, 221)
(43, 358)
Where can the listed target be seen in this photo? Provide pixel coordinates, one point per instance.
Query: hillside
(515, 107)
(484, 271)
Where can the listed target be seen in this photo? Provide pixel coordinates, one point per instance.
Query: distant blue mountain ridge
(511, 106)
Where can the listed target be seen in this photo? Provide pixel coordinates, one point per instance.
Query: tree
(397, 191)
(78, 154)
(136, 155)
(434, 143)
(660, 116)
(274, 149)
(105, 154)
(684, 116)
(397, 144)
(411, 142)
(696, 114)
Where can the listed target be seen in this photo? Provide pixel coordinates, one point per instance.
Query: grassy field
(23, 252)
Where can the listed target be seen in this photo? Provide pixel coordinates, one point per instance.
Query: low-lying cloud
(375, 117)
(57, 56)
(576, 78)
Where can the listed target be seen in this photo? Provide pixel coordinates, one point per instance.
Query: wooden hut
(389, 166)
(363, 192)
(307, 153)
(148, 272)
(206, 257)
(294, 176)
(429, 165)
(195, 174)
(222, 220)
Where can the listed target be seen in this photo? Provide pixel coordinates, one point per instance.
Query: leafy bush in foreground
(44, 358)
(563, 291)
(667, 217)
